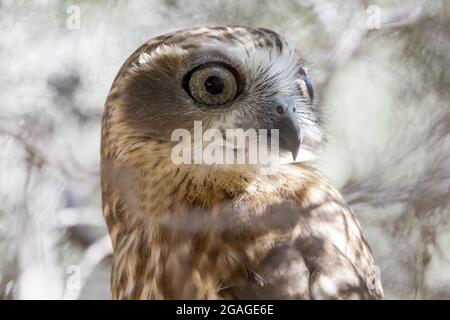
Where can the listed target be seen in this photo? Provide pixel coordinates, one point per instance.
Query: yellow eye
(212, 84)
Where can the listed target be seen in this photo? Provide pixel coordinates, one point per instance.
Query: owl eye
(211, 84)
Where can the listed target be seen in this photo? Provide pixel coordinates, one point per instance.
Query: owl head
(224, 77)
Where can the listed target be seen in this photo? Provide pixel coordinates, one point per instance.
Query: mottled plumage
(222, 231)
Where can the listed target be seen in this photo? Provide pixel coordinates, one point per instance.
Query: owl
(197, 230)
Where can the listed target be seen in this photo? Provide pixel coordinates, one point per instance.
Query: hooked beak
(290, 135)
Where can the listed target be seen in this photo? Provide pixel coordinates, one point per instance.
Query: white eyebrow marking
(161, 50)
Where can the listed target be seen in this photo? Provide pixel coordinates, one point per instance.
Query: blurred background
(381, 71)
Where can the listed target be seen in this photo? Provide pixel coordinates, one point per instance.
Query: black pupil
(214, 85)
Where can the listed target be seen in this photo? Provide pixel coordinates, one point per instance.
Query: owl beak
(289, 129)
